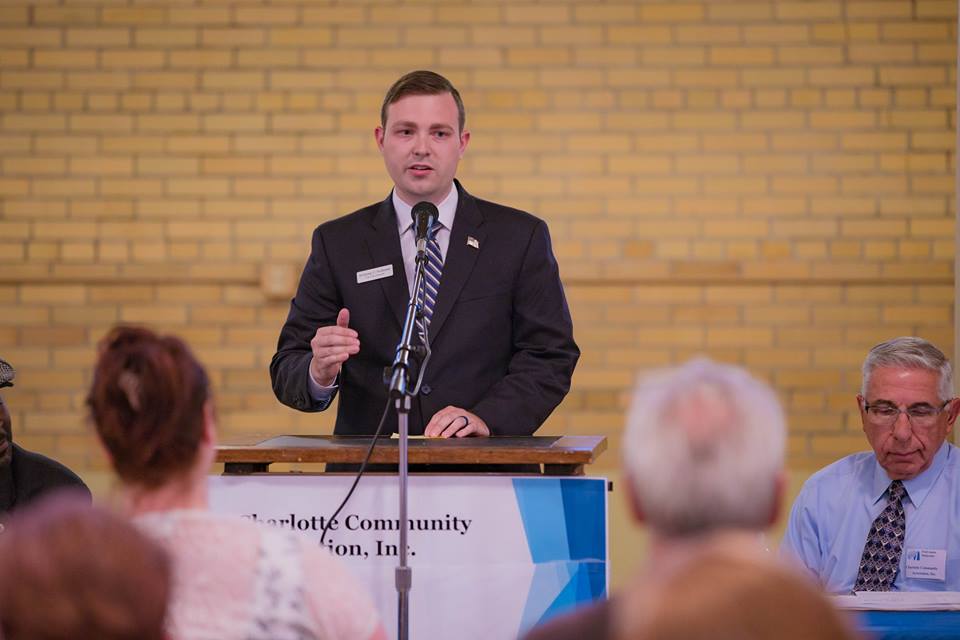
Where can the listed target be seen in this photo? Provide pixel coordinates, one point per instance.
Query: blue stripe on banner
(547, 583)
(565, 524)
(548, 592)
(581, 588)
(583, 504)
(544, 521)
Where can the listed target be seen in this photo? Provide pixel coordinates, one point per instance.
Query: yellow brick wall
(769, 183)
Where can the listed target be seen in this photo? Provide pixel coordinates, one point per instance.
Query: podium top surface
(553, 450)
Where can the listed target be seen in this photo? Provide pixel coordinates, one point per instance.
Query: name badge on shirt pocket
(926, 564)
(376, 273)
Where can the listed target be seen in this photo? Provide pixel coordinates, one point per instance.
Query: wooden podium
(559, 455)
(519, 544)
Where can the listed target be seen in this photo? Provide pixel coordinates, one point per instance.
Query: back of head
(68, 570)
(729, 593)
(421, 83)
(909, 352)
(147, 404)
(703, 449)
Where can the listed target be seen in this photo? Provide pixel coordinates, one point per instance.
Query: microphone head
(425, 215)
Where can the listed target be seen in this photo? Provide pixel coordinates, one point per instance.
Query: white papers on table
(900, 601)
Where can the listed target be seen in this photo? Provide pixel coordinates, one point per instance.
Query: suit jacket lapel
(459, 260)
(384, 245)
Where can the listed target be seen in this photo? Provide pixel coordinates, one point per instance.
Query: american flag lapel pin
(473, 242)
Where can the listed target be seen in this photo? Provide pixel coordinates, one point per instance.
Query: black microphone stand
(399, 389)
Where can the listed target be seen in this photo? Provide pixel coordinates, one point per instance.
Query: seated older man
(888, 520)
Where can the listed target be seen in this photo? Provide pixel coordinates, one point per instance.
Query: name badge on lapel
(377, 273)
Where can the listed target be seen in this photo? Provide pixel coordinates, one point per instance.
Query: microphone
(424, 215)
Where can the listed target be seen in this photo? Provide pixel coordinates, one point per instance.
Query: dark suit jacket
(30, 475)
(501, 332)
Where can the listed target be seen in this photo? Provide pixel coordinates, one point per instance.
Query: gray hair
(704, 448)
(909, 352)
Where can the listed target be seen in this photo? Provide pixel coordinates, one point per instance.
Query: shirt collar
(447, 210)
(918, 487)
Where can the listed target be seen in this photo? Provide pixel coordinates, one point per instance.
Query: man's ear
(779, 489)
(863, 414)
(378, 136)
(953, 410)
(633, 500)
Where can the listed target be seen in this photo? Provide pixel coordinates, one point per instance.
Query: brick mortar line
(122, 280)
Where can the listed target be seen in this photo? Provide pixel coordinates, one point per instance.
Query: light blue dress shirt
(836, 506)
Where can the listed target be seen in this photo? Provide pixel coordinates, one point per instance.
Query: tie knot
(896, 491)
(431, 232)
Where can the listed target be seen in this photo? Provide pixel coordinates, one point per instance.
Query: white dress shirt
(408, 241)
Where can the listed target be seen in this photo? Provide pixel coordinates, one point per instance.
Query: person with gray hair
(25, 475)
(886, 520)
(704, 450)
(703, 455)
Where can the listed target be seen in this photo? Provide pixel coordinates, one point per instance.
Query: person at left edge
(25, 475)
(501, 333)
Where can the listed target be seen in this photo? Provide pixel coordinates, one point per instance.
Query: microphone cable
(376, 436)
(363, 467)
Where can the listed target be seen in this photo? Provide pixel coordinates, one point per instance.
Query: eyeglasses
(884, 414)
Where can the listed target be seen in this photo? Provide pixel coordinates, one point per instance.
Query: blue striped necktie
(431, 282)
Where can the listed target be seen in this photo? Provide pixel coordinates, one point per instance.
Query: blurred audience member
(702, 452)
(150, 401)
(24, 475)
(887, 520)
(725, 591)
(69, 571)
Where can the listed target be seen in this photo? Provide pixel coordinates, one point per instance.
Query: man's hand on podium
(453, 421)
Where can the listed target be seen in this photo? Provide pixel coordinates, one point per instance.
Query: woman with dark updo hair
(151, 406)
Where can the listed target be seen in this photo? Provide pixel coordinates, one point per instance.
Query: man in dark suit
(500, 330)
(25, 475)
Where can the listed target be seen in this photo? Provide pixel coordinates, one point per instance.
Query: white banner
(491, 555)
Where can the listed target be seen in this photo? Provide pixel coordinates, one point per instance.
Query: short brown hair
(69, 570)
(421, 83)
(146, 403)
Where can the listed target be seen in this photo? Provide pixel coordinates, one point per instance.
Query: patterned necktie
(881, 553)
(431, 283)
